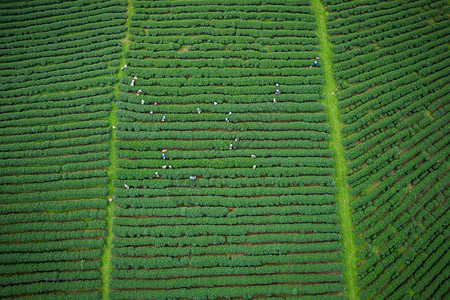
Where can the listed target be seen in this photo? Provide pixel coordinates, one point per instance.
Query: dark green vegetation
(391, 63)
(234, 230)
(57, 62)
(263, 219)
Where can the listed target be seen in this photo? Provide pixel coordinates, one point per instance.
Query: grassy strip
(106, 257)
(332, 110)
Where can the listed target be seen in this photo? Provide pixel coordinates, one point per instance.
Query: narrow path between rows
(106, 257)
(332, 110)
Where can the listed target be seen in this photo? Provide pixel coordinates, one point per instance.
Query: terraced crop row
(393, 79)
(224, 183)
(56, 73)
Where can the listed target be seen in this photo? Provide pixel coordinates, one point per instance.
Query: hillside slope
(391, 64)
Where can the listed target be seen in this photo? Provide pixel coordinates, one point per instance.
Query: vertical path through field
(332, 110)
(106, 257)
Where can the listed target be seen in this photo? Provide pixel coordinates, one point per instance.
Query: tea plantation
(206, 149)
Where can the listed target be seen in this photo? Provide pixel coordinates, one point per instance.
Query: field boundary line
(333, 112)
(106, 256)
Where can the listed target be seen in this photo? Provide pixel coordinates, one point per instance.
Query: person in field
(127, 186)
(254, 167)
(163, 156)
(114, 127)
(315, 63)
(192, 177)
(163, 118)
(156, 174)
(274, 100)
(226, 119)
(231, 146)
(142, 101)
(198, 110)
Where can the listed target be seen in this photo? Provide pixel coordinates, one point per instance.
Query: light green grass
(332, 110)
(106, 257)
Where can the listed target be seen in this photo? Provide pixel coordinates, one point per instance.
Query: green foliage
(56, 93)
(392, 64)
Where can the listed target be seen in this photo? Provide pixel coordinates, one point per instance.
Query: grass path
(333, 113)
(106, 257)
